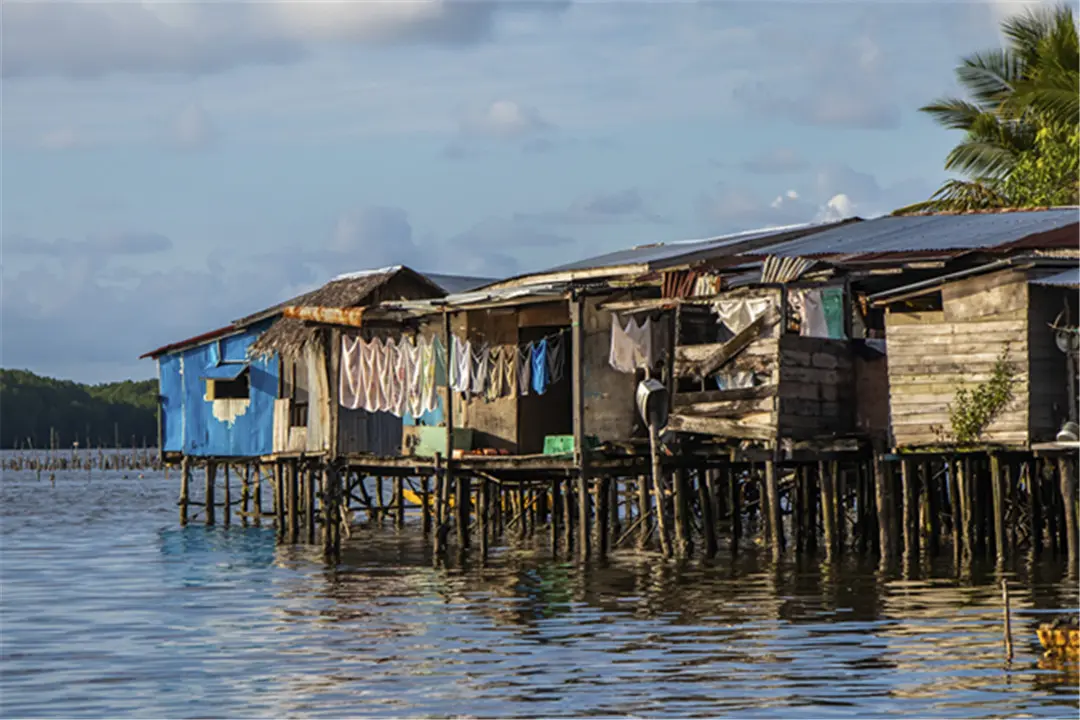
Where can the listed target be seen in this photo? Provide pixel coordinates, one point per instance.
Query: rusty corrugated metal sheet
(196, 340)
(352, 317)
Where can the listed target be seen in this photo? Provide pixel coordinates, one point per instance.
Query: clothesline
(402, 376)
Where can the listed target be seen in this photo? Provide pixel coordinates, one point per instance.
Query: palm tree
(1014, 91)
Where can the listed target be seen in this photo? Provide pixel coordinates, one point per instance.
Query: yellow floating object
(1060, 640)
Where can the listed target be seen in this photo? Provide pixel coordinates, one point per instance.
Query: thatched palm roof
(288, 336)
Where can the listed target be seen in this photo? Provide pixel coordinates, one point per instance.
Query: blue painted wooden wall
(189, 424)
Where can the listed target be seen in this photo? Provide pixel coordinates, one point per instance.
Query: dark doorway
(551, 413)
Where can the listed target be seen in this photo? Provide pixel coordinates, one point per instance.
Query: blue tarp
(228, 371)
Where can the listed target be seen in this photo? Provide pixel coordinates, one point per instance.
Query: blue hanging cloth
(539, 367)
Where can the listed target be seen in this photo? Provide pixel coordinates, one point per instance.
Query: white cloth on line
(813, 314)
(480, 362)
(737, 313)
(631, 345)
(350, 375)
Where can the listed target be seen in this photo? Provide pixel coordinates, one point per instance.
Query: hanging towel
(832, 304)
(429, 396)
(632, 345)
(385, 360)
(556, 356)
(410, 358)
(350, 377)
(438, 353)
(524, 368)
(510, 370)
(369, 364)
(813, 315)
(461, 365)
(539, 367)
(494, 388)
(480, 369)
(737, 314)
(621, 355)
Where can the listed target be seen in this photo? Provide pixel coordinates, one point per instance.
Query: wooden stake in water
(1008, 621)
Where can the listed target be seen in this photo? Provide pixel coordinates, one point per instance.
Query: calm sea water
(110, 609)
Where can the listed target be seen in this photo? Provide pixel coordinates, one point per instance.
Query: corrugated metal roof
(1066, 278)
(667, 253)
(927, 232)
(457, 283)
(189, 342)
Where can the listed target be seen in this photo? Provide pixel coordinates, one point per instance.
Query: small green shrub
(974, 409)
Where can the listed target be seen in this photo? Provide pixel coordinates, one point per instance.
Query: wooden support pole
(932, 493)
(309, 504)
(911, 516)
(279, 497)
(520, 511)
(399, 502)
(956, 519)
(211, 471)
(602, 487)
(734, 506)
(997, 486)
(1068, 497)
(294, 501)
(448, 412)
(227, 500)
(967, 529)
(772, 497)
(245, 493)
(881, 496)
(827, 481)
(840, 494)
(800, 506)
(862, 505)
(556, 509)
(643, 510)
(425, 500)
(614, 522)
(684, 545)
(463, 506)
(439, 539)
(568, 516)
(185, 484)
(1035, 519)
(659, 496)
(380, 501)
(482, 507)
(328, 511)
(581, 456)
(256, 495)
(708, 518)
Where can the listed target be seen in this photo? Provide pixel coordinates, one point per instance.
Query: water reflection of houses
(788, 359)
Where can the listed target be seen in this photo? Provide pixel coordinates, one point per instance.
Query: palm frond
(990, 76)
(980, 158)
(953, 113)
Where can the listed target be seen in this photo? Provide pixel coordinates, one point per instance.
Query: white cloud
(61, 139)
(506, 119)
(838, 207)
(192, 128)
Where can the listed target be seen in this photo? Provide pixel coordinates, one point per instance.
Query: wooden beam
(723, 427)
(351, 317)
(578, 391)
(711, 396)
(726, 351)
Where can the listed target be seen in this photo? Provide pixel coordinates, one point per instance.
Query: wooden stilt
(881, 495)
(827, 481)
(577, 341)
(614, 522)
(226, 514)
(862, 507)
(1035, 520)
(211, 471)
(1068, 499)
(967, 528)
(708, 518)
(380, 501)
(245, 493)
(643, 511)
(256, 494)
(399, 502)
(185, 483)
(311, 477)
(520, 511)
(911, 516)
(425, 500)
(482, 502)
(734, 506)
(327, 510)
(997, 485)
(932, 495)
(463, 503)
(603, 514)
(556, 510)
(279, 498)
(772, 496)
(439, 541)
(294, 502)
(799, 510)
(659, 495)
(684, 546)
(568, 516)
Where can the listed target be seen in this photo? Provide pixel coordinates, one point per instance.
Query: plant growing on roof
(974, 409)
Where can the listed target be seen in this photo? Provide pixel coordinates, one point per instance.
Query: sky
(169, 167)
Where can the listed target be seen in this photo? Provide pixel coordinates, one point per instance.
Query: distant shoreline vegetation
(42, 412)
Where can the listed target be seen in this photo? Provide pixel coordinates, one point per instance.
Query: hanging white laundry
(813, 323)
(738, 313)
(429, 397)
(410, 355)
(480, 362)
(350, 376)
(384, 352)
(400, 391)
(461, 365)
(621, 355)
(370, 351)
